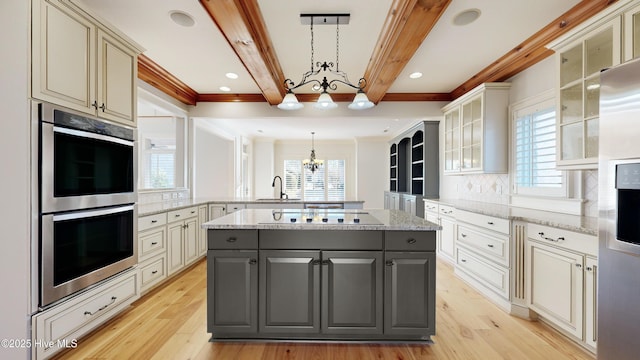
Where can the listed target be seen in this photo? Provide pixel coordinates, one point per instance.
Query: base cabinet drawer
(63, 324)
(152, 272)
(495, 246)
(152, 242)
(493, 277)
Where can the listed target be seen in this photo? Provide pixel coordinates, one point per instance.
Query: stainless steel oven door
(81, 170)
(79, 249)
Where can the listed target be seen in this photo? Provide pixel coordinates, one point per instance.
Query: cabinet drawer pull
(154, 243)
(232, 239)
(103, 107)
(154, 221)
(95, 104)
(113, 299)
(154, 272)
(411, 241)
(253, 261)
(193, 211)
(561, 238)
(463, 234)
(490, 245)
(489, 222)
(389, 263)
(177, 215)
(316, 262)
(463, 260)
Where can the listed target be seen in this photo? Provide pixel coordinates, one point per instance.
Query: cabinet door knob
(578, 266)
(231, 239)
(463, 234)
(589, 268)
(95, 104)
(389, 263)
(103, 107)
(316, 262)
(253, 261)
(411, 241)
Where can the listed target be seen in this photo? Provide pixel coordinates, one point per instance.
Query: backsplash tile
(490, 188)
(162, 195)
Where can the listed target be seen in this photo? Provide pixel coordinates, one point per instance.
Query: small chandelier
(360, 101)
(312, 163)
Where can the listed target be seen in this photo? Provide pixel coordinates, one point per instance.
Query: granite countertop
(162, 206)
(582, 224)
(268, 219)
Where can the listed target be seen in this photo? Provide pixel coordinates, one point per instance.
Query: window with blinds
(160, 172)
(325, 184)
(535, 151)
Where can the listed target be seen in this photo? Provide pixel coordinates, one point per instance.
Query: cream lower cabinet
(182, 238)
(448, 234)
(217, 210)
(483, 255)
(152, 250)
(79, 64)
(202, 233)
(561, 280)
(431, 213)
(60, 326)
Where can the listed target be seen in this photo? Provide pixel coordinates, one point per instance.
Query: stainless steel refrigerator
(619, 213)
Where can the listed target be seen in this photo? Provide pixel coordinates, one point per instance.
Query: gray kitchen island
(318, 274)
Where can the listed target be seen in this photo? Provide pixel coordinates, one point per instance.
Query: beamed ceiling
(407, 24)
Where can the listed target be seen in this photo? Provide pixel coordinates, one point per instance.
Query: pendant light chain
(312, 44)
(337, 44)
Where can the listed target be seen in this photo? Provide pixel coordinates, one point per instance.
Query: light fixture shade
(290, 102)
(361, 102)
(325, 102)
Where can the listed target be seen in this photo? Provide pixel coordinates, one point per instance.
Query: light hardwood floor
(170, 323)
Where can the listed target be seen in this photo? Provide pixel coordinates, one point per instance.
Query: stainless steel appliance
(619, 213)
(87, 210)
(84, 247)
(85, 162)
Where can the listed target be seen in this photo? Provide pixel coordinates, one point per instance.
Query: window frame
(180, 153)
(532, 105)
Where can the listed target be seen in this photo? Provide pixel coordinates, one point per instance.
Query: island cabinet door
(232, 292)
(289, 292)
(352, 292)
(410, 284)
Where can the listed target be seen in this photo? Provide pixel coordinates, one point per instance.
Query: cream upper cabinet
(80, 64)
(632, 33)
(476, 131)
(580, 58)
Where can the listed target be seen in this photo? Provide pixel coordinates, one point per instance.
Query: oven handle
(92, 135)
(92, 213)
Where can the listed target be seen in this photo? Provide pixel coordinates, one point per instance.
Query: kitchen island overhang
(346, 275)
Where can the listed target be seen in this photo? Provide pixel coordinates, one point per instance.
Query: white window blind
(293, 178)
(535, 152)
(160, 170)
(325, 184)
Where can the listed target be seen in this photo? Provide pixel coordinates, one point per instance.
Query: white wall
(372, 171)
(213, 169)
(263, 169)
(16, 161)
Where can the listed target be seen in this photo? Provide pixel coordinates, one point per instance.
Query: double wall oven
(87, 179)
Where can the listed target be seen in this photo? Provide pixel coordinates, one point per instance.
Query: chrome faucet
(273, 184)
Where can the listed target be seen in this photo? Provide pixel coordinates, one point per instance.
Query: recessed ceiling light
(231, 75)
(415, 75)
(466, 17)
(225, 88)
(182, 18)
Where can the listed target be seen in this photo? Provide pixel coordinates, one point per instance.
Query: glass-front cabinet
(632, 33)
(452, 141)
(475, 131)
(580, 60)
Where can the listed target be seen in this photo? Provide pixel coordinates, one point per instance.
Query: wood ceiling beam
(534, 48)
(241, 23)
(164, 81)
(407, 25)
